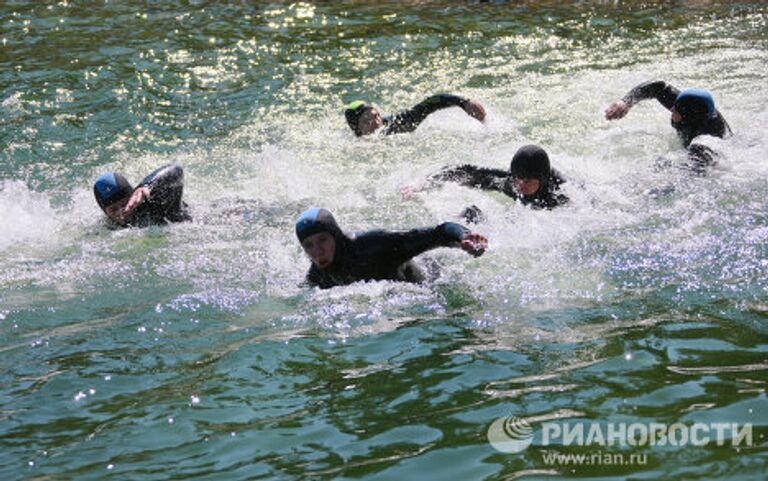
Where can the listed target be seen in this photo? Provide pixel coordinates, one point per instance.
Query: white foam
(28, 216)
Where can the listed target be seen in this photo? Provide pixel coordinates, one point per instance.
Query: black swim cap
(110, 188)
(530, 162)
(314, 221)
(352, 112)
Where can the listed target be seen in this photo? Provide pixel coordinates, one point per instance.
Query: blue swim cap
(316, 220)
(696, 102)
(110, 188)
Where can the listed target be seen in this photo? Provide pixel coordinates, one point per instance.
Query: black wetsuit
(164, 204)
(666, 95)
(499, 180)
(408, 120)
(381, 255)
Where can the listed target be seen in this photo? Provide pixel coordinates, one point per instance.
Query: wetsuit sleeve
(471, 176)
(408, 120)
(394, 248)
(659, 90)
(166, 186)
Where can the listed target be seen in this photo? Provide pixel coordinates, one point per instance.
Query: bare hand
(138, 197)
(474, 244)
(616, 110)
(475, 109)
(407, 192)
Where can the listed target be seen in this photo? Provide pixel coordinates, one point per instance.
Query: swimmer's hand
(616, 110)
(139, 196)
(474, 244)
(407, 192)
(474, 109)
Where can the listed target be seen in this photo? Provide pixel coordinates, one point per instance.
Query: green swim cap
(352, 112)
(356, 104)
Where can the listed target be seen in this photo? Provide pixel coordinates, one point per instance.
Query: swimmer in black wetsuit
(693, 114)
(338, 259)
(530, 180)
(156, 200)
(364, 119)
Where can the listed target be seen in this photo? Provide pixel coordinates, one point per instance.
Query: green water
(190, 351)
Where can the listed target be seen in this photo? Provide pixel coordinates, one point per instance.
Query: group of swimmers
(339, 259)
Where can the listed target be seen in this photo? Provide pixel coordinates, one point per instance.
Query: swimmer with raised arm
(340, 259)
(530, 179)
(693, 113)
(365, 119)
(156, 200)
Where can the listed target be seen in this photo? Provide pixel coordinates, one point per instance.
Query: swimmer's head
(112, 192)
(111, 188)
(530, 170)
(319, 234)
(362, 118)
(694, 106)
(316, 220)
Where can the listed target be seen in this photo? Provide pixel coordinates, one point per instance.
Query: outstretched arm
(394, 248)
(471, 176)
(659, 90)
(408, 120)
(467, 175)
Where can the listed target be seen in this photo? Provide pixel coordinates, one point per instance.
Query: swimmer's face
(370, 121)
(527, 186)
(115, 210)
(320, 248)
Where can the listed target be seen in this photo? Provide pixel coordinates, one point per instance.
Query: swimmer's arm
(659, 90)
(408, 120)
(470, 176)
(394, 248)
(160, 188)
(165, 184)
(166, 175)
(467, 175)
